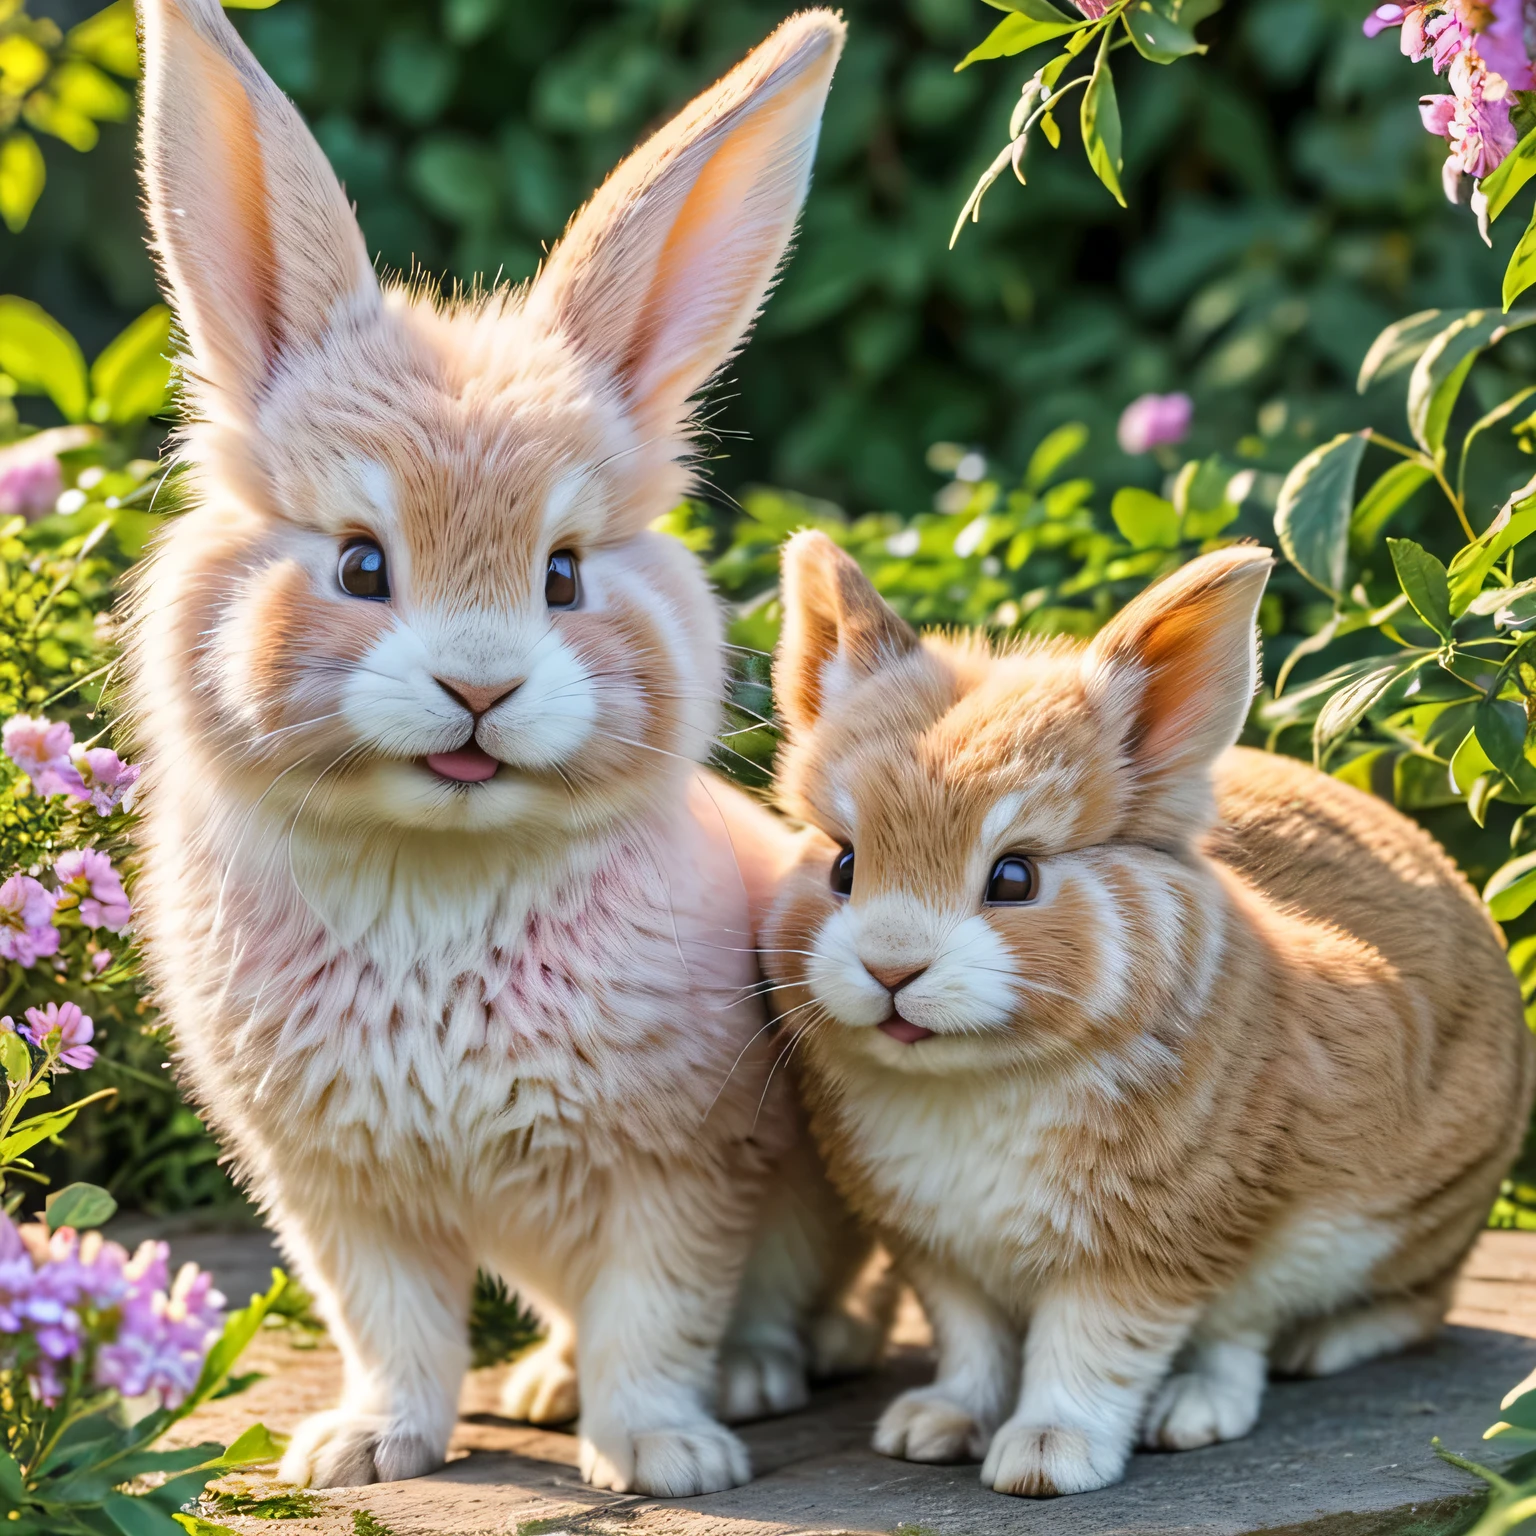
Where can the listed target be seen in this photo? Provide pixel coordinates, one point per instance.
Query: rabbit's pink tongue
(469, 765)
(908, 1034)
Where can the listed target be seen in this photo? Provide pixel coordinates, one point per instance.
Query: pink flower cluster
(65, 1293)
(45, 751)
(27, 906)
(1480, 47)
(1154, 421)
(76, 1031)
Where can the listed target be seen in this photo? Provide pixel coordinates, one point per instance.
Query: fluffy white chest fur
(347, 1011)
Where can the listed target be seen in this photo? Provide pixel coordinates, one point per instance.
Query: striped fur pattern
(441, 1024)
(1232, 1091)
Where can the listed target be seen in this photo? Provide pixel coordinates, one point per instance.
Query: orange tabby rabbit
(1156, 1063)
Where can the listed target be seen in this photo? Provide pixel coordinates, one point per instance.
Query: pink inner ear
(719, 256)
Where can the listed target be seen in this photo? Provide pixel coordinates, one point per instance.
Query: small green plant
(500, 1326)
(293, 1504)
(1512, 1491)
(365, 1524)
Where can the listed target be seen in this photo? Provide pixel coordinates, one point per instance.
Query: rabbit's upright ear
(660, 276)
(837, 629)
(1174, 673)
(257, 243)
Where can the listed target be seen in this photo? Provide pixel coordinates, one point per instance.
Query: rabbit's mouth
(467, 765)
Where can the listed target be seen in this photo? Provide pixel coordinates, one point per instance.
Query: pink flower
(1501, 42)
(40, 748)
(101, 960)
(104, 777)
(1481, 132)
(27, 933)
(1436, 113)
(1152, 421)
(1381, 18)
(1092, 9)
(91, 877)
(75, 1032)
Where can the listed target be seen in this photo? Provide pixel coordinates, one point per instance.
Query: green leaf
(137, 1517)
(39, 1128)
(1145, 521)
(1469, 763)
(1016, 33)
(1348, 707)
(239, 1329)
(42, 356)
(1425, 581)
(1511, 890)
(1511, 173)
(1435, 383)
(195, 1525)
(109, 38)
(1101, 126)
(248, 5)
(253, 1448)
(79, 1206)
(131, 378)
(1470, 566)
(1386, 496)
(22, 178)
(1312, 515)
(1521, 271)
(15, 1058)
(1156, 35)
(1500, 726)
(1402, 343)
(1055, 449)
(1520, 1412)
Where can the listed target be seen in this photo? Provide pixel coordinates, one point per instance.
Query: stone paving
(1350, 1456)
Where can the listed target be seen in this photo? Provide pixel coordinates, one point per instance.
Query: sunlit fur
(1235, 1089)
(439, 1025)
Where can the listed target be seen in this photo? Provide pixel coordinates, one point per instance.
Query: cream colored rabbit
(445, 915)
(1155, 1062)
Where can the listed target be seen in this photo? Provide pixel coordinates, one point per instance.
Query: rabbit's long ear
(257, 243)
(1175, 672)
(660, 276)
(837, 629)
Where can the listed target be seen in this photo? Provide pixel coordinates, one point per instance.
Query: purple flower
(104, 777)
(27, 933)
(1501, 43)
(91, 877)
(75, 1032)
(164, 1332)
(1153, 421)
(40, 748)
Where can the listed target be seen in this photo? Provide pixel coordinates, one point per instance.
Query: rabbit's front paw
(1194, 1409)
(672, 1463)
(760, 1380)
(541, 1388)
(1039, 1461)
(844, 1345)
(345, 1450)
(923, 1426)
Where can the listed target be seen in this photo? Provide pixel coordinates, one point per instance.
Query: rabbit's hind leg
(540, 1387)
(1322, 1346)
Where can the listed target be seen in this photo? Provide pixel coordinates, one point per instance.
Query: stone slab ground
(1350, 1456)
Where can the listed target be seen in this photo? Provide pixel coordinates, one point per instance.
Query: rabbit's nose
(894, 977)
(478, 700)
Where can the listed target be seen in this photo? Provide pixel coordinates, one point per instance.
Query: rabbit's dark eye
(842, 873)
(561, 588)
(362, 572)
(1013, 881)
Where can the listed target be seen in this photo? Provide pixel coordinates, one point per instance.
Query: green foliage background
(1284, 206)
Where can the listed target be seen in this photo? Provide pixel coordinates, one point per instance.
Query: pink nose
(894, 977)
(478, 700)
